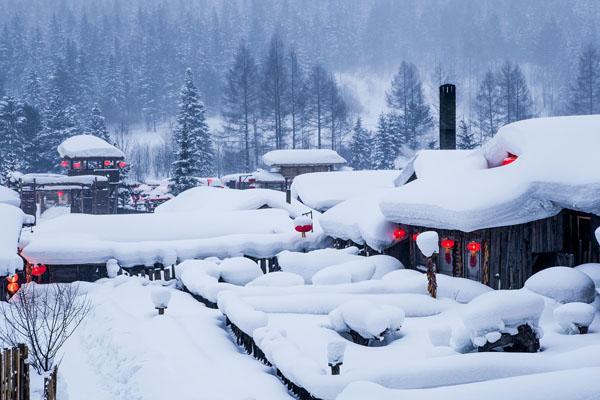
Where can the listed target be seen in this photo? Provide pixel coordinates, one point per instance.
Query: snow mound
(11, 222)
(440, 335)
(239, 270)
(563, 284)
(243, 315)
(208, 267)
(592, 270)
(501, 311)
(401, 275)
(112, 268)
(369, 320)
(329, 276)
(160, 297)
(88, 146)
(385, 264)
(359, 270)
(10, 197)
(572, 316)
(335, 352)
(279, 278)
(308, 264)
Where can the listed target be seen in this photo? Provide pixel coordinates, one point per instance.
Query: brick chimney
(448, 117)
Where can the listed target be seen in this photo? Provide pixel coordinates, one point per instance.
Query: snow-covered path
(125, 351)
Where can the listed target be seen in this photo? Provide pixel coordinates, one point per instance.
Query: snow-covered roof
(223, 199)
(12, 221)
(557, 167)
(260, 175)
(303, 157)
(143, 239)
(323, 190)
(8, 196)
(45, 179)
(88, 146)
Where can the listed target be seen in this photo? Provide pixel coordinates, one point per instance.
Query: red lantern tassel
(448, 256)
(473, 259)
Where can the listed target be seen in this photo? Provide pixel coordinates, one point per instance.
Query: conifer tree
(12, 145)
(32, 92)
(466, 137)
(487, 108)
(193, 142)
(360, 147)
(584, 95)
(384, 153)
(97, 124)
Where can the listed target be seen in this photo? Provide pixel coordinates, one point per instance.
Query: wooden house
(290, 163)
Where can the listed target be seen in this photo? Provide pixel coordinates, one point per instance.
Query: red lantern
(13, 278)
(12, 287)
(38, 270)
(509, 159)
(303, 229)
(474, 248)
(415, 236)
(77, 165)
(399, 234)
(64, 163)
(122, 164)
(108, 163)
(447, 245)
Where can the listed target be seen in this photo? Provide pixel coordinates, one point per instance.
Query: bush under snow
(279, 278)
(563, 284)
(573, 316)
(361, 269)
(491, 314)
(239, 270)
(368, 320)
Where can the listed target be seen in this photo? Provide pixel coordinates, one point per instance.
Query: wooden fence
(14, 373)
(156, 273)
(50, 385)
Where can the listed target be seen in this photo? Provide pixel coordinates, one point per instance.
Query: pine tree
(487, 108)
(466, 137)
(240, 100)
(32, 92)
(413, 117)
(12, 144)
(194, 146)
(584, 97)
(97, 124)
(384, 153)
(515, 102)
(275, 90)
(317, 100)
(360, 147)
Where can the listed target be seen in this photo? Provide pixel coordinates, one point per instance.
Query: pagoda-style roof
(88, 146)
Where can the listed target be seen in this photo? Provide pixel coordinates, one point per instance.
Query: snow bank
(302, 157)
(592, 270)
(87, 146)
(573, 384)
(144, 239)
(10, 197)
(359, 270)
(239, 270)
(243, 315)
(385, 264)
(308, 264)
(10, 229)
(572, 316)
(501, 311)
(563, 284)
(401, 275)
(203, 198)
(533, 187)
(278, 279)
(323, 190)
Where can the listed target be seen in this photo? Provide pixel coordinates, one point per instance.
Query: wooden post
(431, 280)
(24, 390)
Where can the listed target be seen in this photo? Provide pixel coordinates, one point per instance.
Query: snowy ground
(124, 350)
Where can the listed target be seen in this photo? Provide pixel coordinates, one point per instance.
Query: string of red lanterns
(13, 284)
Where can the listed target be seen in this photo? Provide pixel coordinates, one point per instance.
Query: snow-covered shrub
(361, 269)
(112, 268)
(365, 321)
(385, 264)
(592, 270)
(507, 313)
(279, 278)
(563, 284)
(574, 318)
(440, 335)
(428, 243)
(308, 264)
(160, 297)
(331, 277)
(239, 270)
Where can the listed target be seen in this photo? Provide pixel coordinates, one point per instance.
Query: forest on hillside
(269, 72)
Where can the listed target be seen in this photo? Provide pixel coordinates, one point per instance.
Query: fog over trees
(269, 72)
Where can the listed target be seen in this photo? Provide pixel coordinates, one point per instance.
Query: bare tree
(44, 317)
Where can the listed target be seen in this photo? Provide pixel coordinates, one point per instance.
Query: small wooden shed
(293, 162)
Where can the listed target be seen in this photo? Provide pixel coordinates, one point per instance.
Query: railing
(156, 273)
(14, 373)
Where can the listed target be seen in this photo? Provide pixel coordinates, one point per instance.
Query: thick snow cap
(11, 221)
(8, 196)
(557, 167)
(303, 157)
(88, 146)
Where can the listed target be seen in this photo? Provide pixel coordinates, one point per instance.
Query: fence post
(24, 370)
